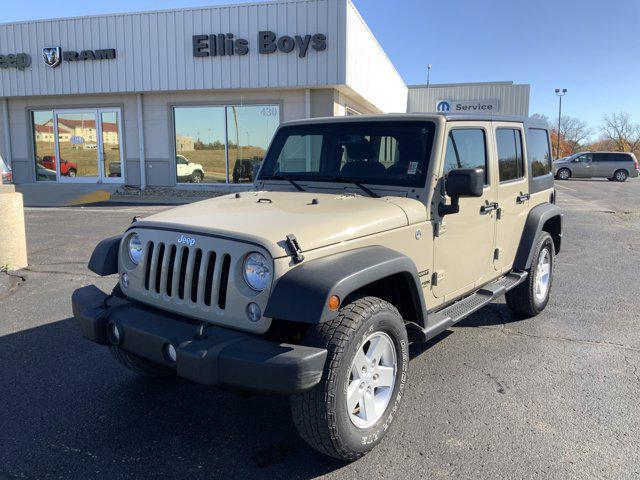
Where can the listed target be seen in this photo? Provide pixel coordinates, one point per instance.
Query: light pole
(560, 93)
(428, 73)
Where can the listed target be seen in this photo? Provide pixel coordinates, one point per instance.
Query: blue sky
(590, 47)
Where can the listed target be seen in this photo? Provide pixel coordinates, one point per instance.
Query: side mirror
(462, 182)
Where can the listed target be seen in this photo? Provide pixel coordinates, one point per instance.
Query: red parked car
(6, 176)
(68, 169)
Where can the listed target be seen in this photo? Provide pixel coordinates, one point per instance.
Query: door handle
(489, 207)
(523, 197)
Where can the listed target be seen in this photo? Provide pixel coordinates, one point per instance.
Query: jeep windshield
(382, 153)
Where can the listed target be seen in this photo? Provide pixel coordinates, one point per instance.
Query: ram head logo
(52, 56)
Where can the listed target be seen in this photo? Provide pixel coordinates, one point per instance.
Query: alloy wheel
(371, 380)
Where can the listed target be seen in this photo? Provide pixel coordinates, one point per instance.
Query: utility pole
(560, 93)
(428, 73)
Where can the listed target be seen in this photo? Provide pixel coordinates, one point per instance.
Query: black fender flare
(104, 259)
(301, 295)
(538, 217)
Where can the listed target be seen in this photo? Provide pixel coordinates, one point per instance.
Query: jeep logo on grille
(184, 240)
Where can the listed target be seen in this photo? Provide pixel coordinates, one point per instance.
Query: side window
(466, 148)
(510, 158)
(586, 158)
(538, 152)
(620, 157)
(601, 157)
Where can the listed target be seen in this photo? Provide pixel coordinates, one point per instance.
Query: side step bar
(440, 320)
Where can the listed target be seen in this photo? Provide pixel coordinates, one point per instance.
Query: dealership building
(178, 97)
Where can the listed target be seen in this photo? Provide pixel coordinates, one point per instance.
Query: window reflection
(205, 136)
(200, 144)
(250, 131)
(44, 144)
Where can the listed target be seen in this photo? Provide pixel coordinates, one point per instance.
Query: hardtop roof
(399, 117)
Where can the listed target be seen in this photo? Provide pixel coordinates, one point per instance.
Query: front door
(513, 193)
(581, 167)
(87, 146)
(463, 246)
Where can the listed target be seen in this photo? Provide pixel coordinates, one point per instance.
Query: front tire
(531, 296)
(563, 174)
(348, 413)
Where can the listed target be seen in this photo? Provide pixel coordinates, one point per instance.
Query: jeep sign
(15, 60)
(468, 106)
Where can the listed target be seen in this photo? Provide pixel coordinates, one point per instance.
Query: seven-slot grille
(187, 273)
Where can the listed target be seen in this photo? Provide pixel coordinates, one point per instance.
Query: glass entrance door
(77, 146)
(87, 146)
(110, 152)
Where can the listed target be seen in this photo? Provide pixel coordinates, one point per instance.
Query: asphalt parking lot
(494, 397)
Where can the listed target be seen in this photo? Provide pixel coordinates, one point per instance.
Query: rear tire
(563, 174)
(620, 176)
(348, 413)
(531, 296)
(197, 176)
(139, 365)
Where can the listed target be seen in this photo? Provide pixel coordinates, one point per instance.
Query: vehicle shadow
(490, 315)
(69, 411)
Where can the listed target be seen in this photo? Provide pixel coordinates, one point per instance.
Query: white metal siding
(154, 50)
(370, 73)
(514, 99)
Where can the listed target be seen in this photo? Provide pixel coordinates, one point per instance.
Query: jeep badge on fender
(384, 230)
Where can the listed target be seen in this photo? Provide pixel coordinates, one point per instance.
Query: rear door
(463, 245)
(601, 165)
(512, 191)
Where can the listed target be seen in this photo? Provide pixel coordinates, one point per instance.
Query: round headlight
(135, 248)
(257, 271)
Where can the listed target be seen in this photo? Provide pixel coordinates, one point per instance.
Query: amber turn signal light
(334, 302)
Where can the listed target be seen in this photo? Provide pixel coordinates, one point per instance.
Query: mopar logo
(184, 240)
(443, 106)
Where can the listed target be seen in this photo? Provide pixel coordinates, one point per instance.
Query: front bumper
(223, 357)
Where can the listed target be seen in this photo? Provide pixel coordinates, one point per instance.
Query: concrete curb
(93, 197)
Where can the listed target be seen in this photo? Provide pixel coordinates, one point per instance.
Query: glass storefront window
(250, 130)
(44, 145)
(206, 136)
(200, 144)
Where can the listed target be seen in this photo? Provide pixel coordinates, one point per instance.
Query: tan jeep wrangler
(363, 233)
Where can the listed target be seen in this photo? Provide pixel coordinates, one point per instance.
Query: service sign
(19, 61)
(77, 140)
(468, 106)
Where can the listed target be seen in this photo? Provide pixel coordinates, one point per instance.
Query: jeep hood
(266, 218)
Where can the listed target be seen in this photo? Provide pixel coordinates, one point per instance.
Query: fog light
(113, 333)
(125, 280)
(170, 353)
(253, 312)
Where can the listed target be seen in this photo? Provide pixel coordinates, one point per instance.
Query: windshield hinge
(294, 247)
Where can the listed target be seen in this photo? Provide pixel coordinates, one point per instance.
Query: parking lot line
(566, 188)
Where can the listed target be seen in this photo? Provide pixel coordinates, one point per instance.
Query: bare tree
(621, 132)
(575, 132)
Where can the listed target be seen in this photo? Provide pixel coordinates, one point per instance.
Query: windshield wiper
(366, 190)
(286, 179)
(298, 187)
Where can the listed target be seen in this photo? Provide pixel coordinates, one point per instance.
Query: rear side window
(466, 148)
(510, 157)
(620, 157)
(538, 152)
